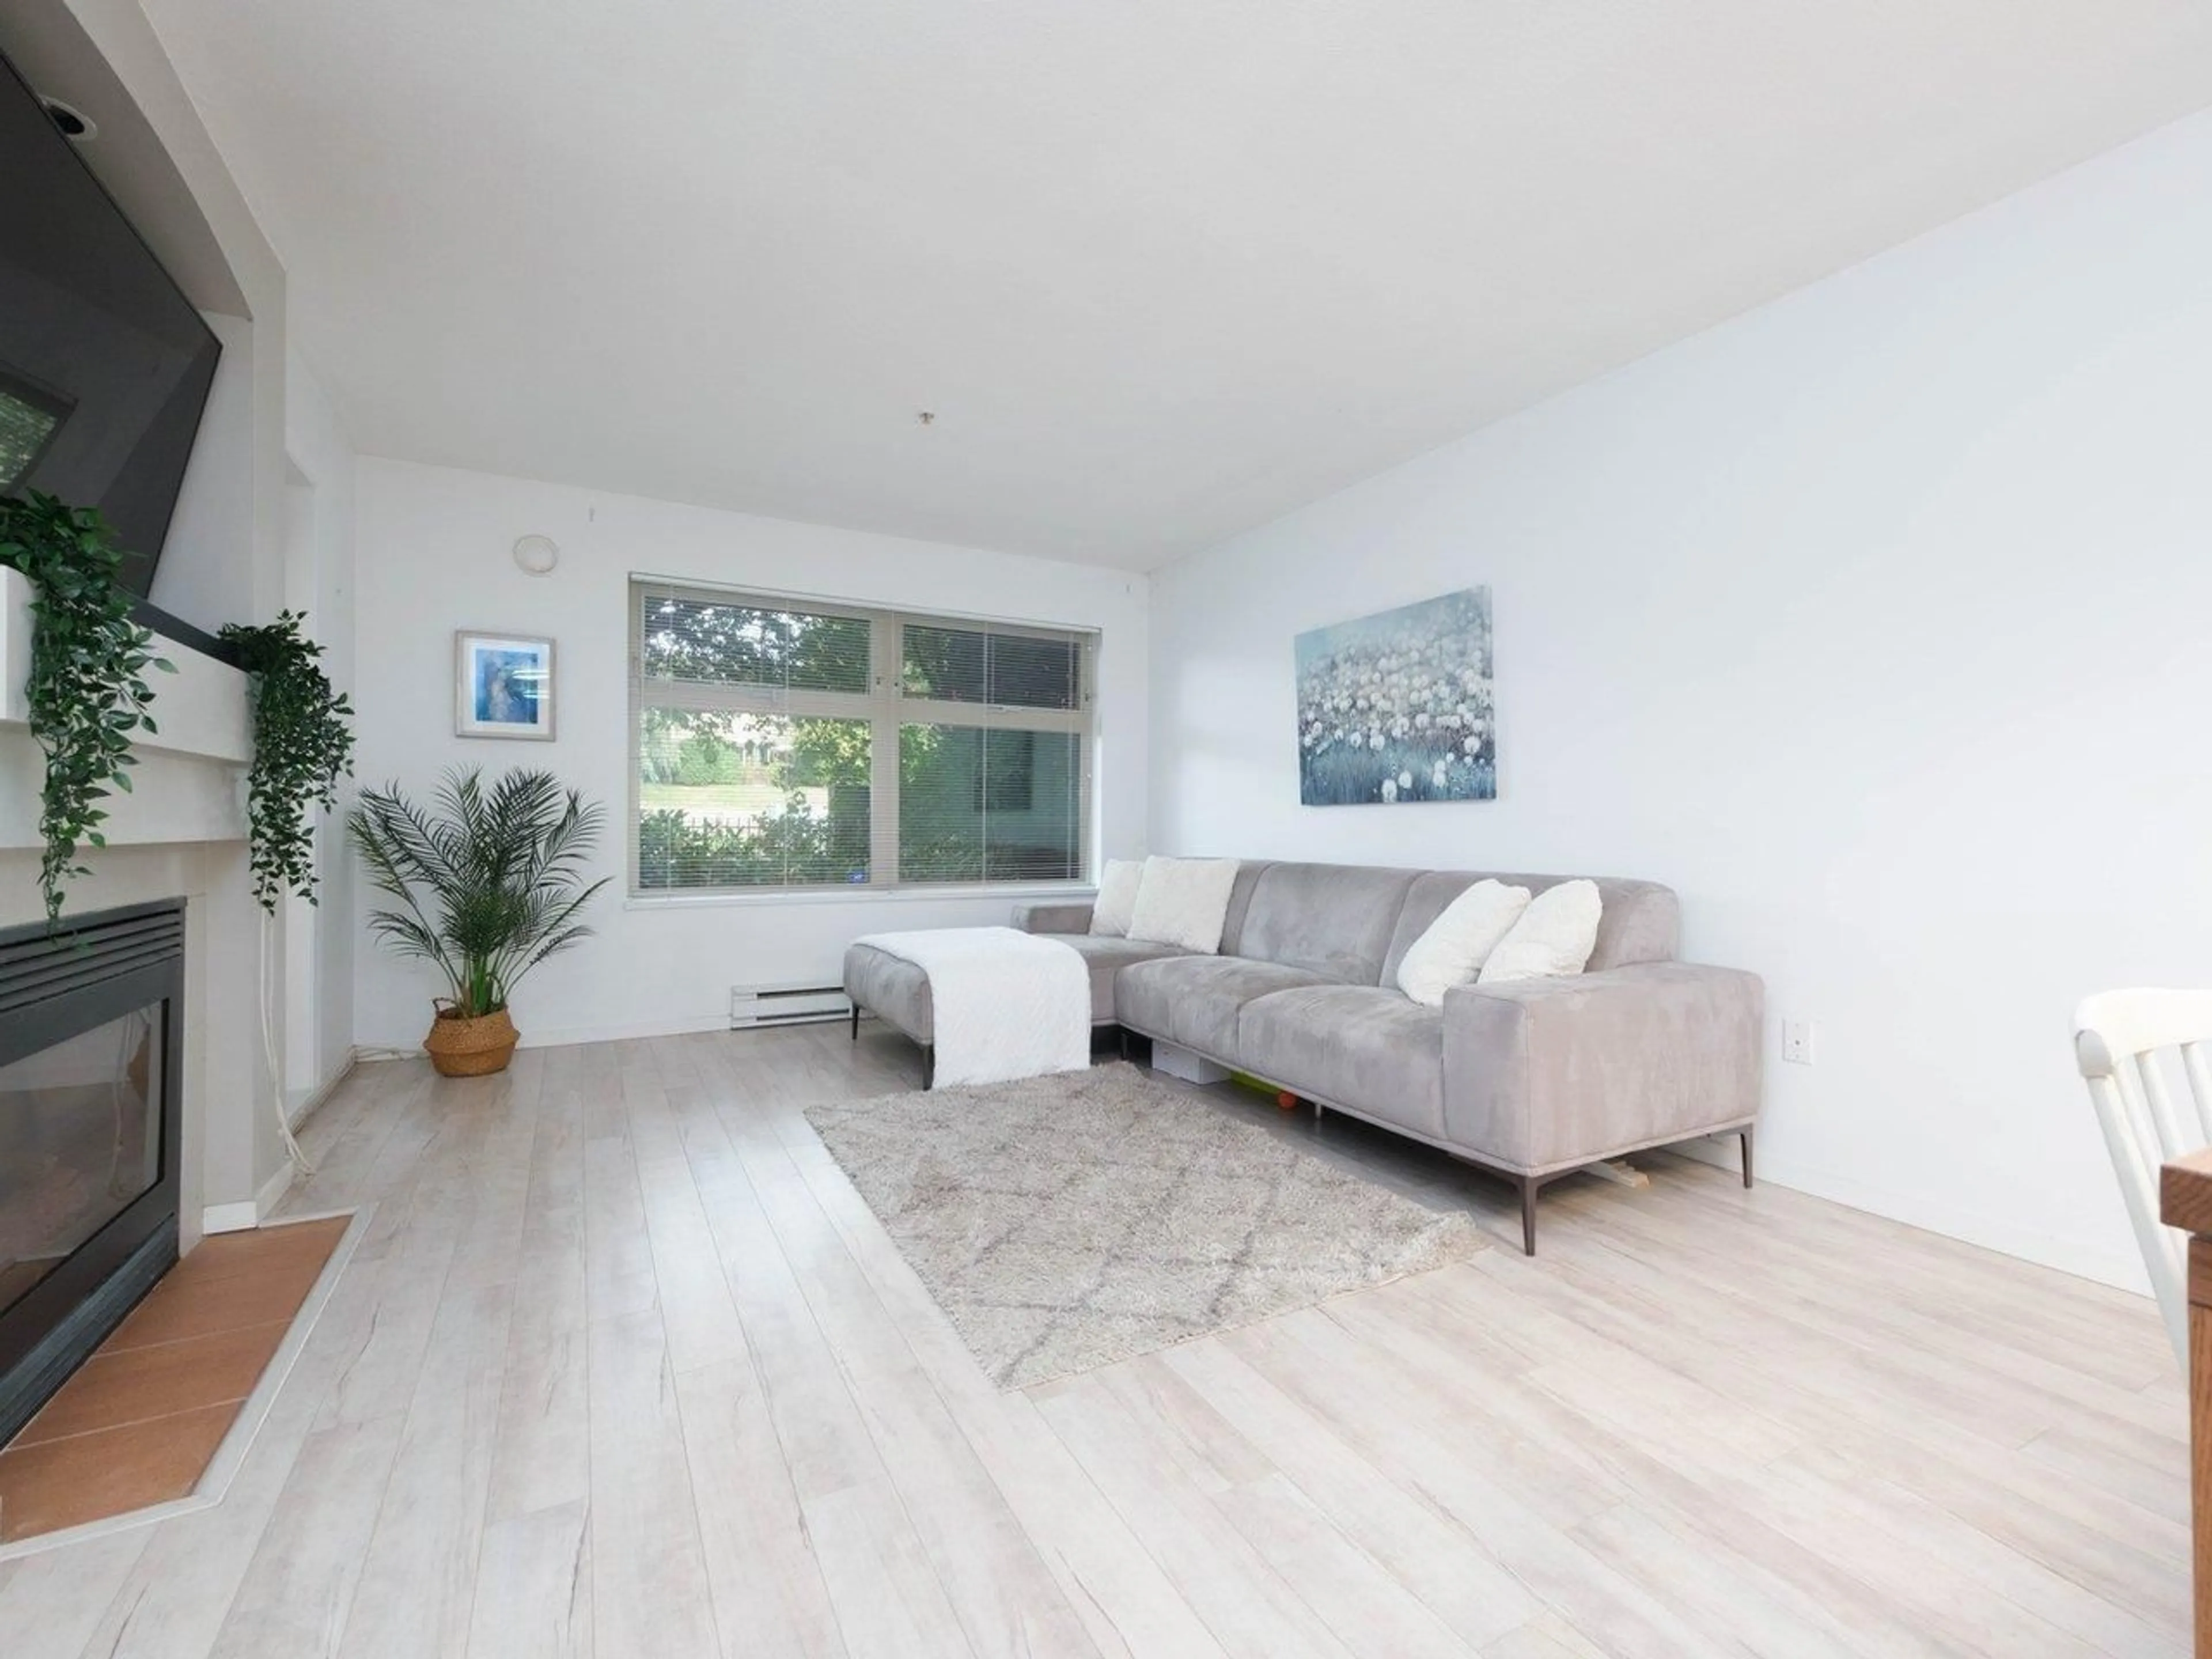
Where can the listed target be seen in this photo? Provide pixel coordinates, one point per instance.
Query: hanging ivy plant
(302, 747)
(86, 690)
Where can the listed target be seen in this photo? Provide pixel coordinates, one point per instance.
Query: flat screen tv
(104, 363)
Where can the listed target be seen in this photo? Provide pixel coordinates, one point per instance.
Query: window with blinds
(788, 744)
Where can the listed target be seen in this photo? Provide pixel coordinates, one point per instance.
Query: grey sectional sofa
(1531, 1078)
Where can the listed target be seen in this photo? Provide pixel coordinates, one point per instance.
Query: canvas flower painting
(1397, 707)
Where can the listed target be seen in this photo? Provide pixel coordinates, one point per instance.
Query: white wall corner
(240, 1217)
(247, 1214)
(301, 1104)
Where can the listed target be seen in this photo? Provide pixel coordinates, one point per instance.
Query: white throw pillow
(1555, 935)
(1183, 901)
(1456, 943)
(1117, 897)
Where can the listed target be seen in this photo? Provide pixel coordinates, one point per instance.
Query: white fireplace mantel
(189, 785)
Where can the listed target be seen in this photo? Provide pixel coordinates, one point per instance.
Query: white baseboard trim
(242, 1217)
(273, 1190)
(299, 1111)
(2121, 1269)
(560, 1037)
(247, 1214)
(557, 1036)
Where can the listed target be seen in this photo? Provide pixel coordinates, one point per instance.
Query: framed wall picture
(502, 685)
(1399, 706)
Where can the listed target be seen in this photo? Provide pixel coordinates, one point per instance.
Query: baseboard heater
(752, 1006)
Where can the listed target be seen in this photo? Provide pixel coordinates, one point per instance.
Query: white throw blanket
(1007, 1004)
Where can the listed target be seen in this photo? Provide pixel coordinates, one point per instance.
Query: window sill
(1047, 892)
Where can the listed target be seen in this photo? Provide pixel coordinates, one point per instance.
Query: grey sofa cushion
(1332, 920)
(1640, 921)
(1195, 1001)
(1106, 956)
(1055, 916)
(1240, 906)
(1362, 1046)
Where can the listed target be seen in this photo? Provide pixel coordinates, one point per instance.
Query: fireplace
(91, 1057)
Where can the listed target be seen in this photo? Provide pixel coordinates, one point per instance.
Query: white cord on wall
(269, 1047)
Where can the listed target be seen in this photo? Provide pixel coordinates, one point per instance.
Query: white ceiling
(1164, 269)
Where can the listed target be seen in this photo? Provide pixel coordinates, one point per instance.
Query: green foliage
(503, 869)
(687, 639)
(86, 690)
(703, 760)
(662, 736)
(792, 844)
(793, 847)
(831, 752)
(302, 747)
(24, 429)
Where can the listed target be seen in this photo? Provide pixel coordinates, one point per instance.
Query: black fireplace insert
(91, 1064)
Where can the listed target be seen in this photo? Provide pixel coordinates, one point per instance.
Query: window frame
(886, 705)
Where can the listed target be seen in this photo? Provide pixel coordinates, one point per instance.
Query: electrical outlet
(1797, 1042)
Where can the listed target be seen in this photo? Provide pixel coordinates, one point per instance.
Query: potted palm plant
(489, 884)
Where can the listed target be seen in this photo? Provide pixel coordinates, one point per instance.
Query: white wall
(1879, 623)
(431, 554)
(319, 578)
(206, 576)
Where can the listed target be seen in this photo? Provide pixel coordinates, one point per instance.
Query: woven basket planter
(470, 1047)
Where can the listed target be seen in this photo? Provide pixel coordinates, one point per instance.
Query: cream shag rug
(1066, 1222)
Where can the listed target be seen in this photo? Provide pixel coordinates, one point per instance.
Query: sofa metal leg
(1122, 1040)
(929, 1066)
(1528, 1215)
(856, 1022)
(1745, 1137)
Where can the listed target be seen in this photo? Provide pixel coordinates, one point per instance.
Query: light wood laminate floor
(624, 1368)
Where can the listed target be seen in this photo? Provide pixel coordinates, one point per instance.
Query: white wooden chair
(2129, 1045)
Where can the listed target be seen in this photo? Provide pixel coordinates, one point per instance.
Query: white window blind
(782, 744)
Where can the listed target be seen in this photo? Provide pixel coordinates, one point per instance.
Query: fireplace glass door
(91, 1050)
(80, 1142)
